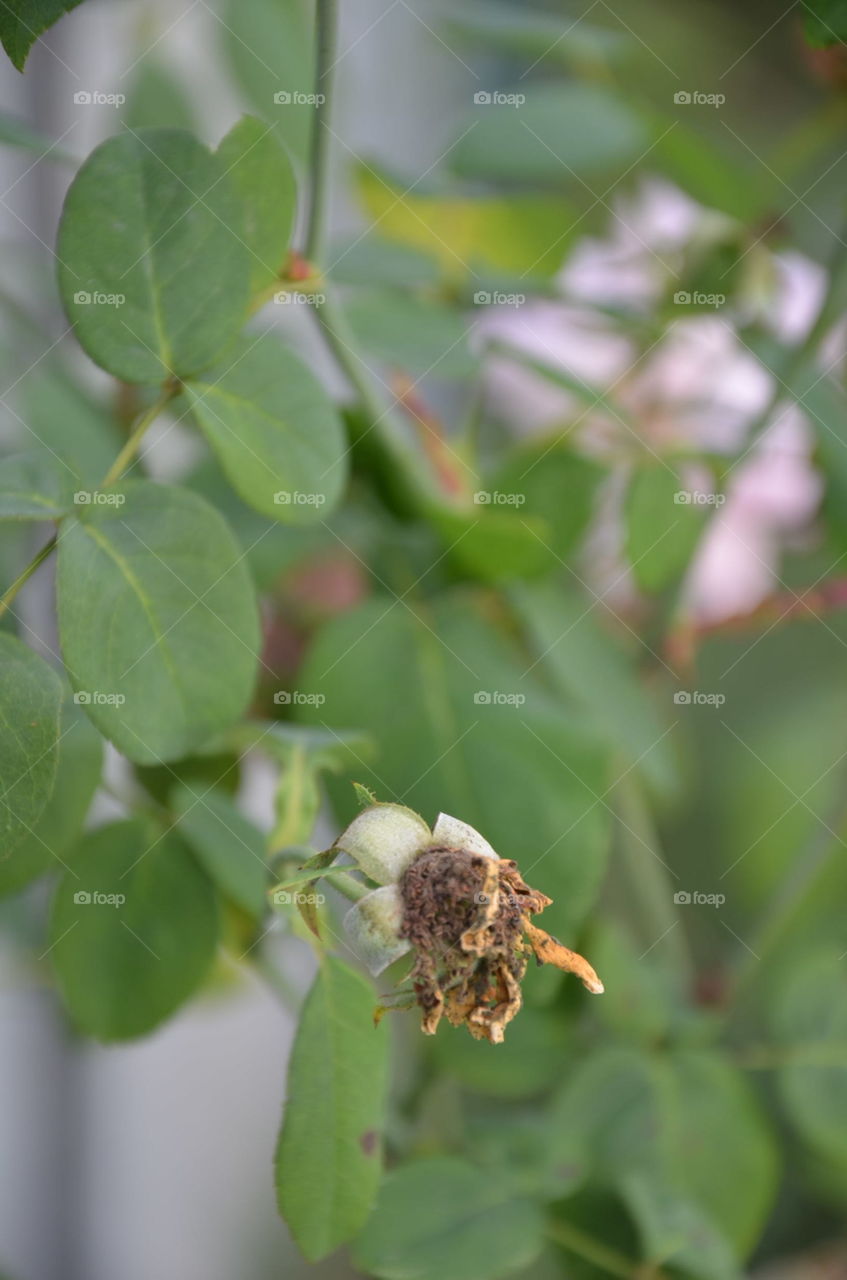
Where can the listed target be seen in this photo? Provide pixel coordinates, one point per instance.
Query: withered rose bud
(465, 912)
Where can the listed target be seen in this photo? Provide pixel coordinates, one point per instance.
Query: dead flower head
(465, 912)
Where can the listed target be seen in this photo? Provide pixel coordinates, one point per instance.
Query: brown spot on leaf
(369, 1141)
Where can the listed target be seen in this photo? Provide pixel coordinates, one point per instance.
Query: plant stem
(115, 471)
(146, 419)
(594, 1251)
(325, 40)
(419, 487)
(829, 311)
(27, 573)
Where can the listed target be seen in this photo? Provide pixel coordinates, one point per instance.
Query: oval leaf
(34, 486)
(133, 930)
(30, 703)
(230, 848)
(154, 272)
(261, 173)
(444, 1220)
(44, 848)
(157, 618)
(274, 429)
(328, 1155)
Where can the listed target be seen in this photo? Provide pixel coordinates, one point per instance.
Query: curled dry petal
(549, 951)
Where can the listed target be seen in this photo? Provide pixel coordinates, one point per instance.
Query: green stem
(326, 35)
(417, 482)
(594, 1251)
(343, 883)
(115, 471)
(138, 432)
(830, 310)
(13, 590)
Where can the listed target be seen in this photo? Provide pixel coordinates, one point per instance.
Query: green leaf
(679, 1120)
(157, 618)
(637, 1003)
(558, 488)
(414, 335)
(825, 22)
(270, 48)
(825, 405)
(662, 529)
(261, 172)
(329, 1152)
(156, 99)
(497, 543)
(274, 430)
(17, 133)
(439, 690)
(227, 845)
(45, 848)
(519, 234)
(442, 1219)
(153, 272)
(677, 1232)
(531, 1057)
(34, 486)
(561, 134)
(587, 664)
(68, 425)
(296, 803)
(30, 704)
(534, 34)
(133, 930)
(610, 1114)
(810, 1019)
(375, 261)
(716, 1125)
(23, 21)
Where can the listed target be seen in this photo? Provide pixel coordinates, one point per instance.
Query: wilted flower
(464, 911)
